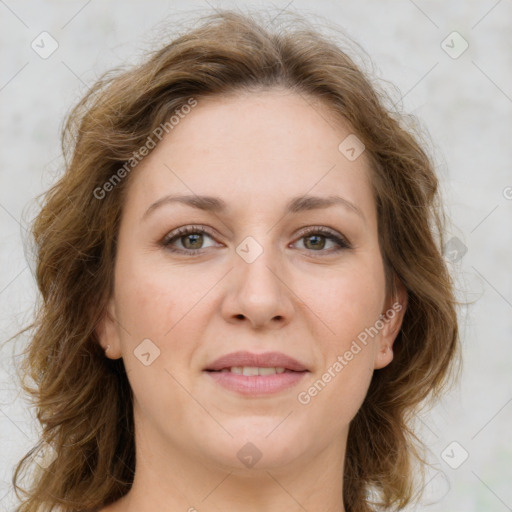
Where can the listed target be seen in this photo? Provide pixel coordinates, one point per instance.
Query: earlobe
(392, 318)
(107, 334)
(383, 357)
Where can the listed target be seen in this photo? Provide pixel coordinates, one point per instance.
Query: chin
(258, 443)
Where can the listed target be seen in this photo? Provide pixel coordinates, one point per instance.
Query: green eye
(192, 239)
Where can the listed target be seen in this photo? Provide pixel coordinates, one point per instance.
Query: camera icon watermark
(249, 249)
(351, 147)
(146, 352)
(454, 45)
(454, 455)
(44, 45)
(249, 455)
(454, 250)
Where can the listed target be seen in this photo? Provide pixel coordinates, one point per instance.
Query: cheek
(345, 302)
(166, 306)
(154, 299)
(147, 306)
(347, 308)
(152, 306)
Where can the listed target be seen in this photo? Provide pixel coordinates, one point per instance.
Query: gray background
(465, 103)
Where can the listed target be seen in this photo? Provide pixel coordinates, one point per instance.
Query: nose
(259, 292)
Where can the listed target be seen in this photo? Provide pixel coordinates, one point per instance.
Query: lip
(263, 360)
(256, 385)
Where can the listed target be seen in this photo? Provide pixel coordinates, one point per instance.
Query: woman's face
(288, 267)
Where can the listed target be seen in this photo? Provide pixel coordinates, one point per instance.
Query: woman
(244, 298)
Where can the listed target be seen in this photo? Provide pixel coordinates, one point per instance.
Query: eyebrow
(295, 205)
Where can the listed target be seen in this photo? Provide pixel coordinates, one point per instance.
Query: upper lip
(263, 360)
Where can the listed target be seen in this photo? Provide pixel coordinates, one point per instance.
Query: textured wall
(462, 97)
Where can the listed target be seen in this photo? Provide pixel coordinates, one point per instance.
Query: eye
(316, 238)
(191, 238)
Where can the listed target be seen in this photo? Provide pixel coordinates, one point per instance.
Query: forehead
(257, 149)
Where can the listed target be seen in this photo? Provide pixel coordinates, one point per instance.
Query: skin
(255, 151)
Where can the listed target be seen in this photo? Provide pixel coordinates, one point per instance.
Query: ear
(391, 318)
(107, 333)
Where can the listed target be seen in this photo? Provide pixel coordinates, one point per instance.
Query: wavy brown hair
(84, 400)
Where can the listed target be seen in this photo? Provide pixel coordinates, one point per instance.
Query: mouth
(253, 370)
(254, 374)
(250, 362)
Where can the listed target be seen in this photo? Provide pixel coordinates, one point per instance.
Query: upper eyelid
(192, 228)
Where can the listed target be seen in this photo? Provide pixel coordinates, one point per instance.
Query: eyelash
(342, 242)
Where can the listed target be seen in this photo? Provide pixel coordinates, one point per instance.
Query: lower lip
(253, 385)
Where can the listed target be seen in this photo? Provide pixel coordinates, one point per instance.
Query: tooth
(249, 370)
(252, 370)
(266, 371)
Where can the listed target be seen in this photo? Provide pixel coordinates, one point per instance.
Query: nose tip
(258, 293)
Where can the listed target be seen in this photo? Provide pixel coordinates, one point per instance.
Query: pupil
(318, 238)
(196, 236)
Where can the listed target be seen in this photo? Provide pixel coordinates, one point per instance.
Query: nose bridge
(259, 293)
(258, 261)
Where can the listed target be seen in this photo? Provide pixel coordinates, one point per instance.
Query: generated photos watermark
(305, 397)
